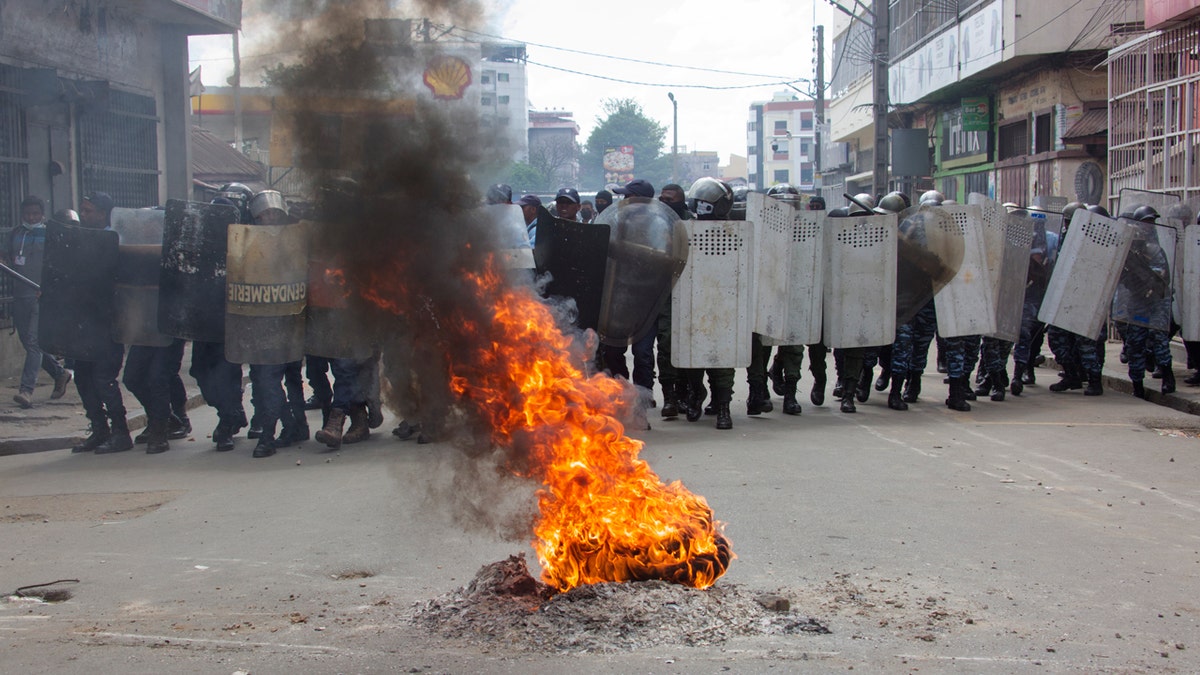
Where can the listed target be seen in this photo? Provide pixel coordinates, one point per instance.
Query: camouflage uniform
(910, 351)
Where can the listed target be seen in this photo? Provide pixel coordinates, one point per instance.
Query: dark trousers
(269, 399)
(293, 387)
(174, 365)
(96, 382)
(148, 377)
(316, 368)
(643, 361)
(219, 380)
(348, 389)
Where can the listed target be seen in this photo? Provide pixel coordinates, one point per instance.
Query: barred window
(14, 174)
(1014, 140)
(118, 149)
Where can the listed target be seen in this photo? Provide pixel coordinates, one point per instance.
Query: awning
(1093, 123)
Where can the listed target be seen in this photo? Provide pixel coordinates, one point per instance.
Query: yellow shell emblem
(447, 77)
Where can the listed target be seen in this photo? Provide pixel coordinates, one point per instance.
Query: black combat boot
(157, 436)
(983, 385)
(790, 405)
(1168, 381)
(179, 426)
(758, 401)
(1017, 386)
(817, 395)
(1069, 381)
(670, 408)
(721, 403)
(1193, 380)
(1027, 376)
(864, 385)
(266, 444)
(1139, 389)
(912, 387)
(999, 379)
(775, 374)
(959, 386)
(1095, 385)
(118, 441)
(848, 390)
(223, 436)
(294, 429)
(837, 389)
(896, 396)
(695, 402)
(98, 435)
(885, 376)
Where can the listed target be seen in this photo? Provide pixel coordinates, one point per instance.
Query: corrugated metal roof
(214, 161)
(1093, 123)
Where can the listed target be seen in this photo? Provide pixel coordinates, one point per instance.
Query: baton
(20, 277)
(860, 204)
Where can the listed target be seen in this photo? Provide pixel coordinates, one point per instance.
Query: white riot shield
(772, 220)
(711, 315)
(1014, 272)
(967, 305)
(1143, 293)
(860, 281)
(1189, 295)
(807, 279)
(1080, 290)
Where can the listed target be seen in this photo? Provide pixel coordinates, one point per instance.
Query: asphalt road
(1050, 533)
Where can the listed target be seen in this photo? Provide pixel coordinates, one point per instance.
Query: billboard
(618, 164)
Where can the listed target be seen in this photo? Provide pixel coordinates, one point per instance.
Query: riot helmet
(784, 192)
(240, 196)
(499, 194)
(931, 198)
(1098, 210)
(1145, 214)
(816, 203)
(865, 200)
(1069, 211)
(892, 202)
(839, 212)
(269, 205)
(710, 199)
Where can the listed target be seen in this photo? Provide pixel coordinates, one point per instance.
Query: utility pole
(237, 92)
(879, 80)
(675, 138)
(819, 113)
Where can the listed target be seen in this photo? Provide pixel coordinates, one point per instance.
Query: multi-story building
(503, 99)
(781, 142)
(554, 147)
(94, 96)
(997, 86)
(696, 164)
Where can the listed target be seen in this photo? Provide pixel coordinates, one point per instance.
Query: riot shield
(711, 310)
(806, 280)
(1189, 297)
(76, 306)
(191, 298)
(647, 249)
(773, 222)
(1049, 209)
(139, 262)
(138, 226)
(1129, 199)
(575, 255)
(967, 305)
(509, 224)
(929, 252)
(1079, 293)
(1014, 273)
(334, 325)
(1143, 293)
(860, 281)
(267, 283)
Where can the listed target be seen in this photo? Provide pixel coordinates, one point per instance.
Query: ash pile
(504, 604)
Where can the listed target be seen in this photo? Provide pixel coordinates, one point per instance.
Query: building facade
(554, 146)
(781, 143)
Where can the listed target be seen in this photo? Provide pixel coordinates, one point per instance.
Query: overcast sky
(769, 38)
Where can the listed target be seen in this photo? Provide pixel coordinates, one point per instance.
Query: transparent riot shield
(860, 281)
(509, 224)
(191, 299)
(967, 305)
(334, 320)
(1014, 274)
(711, 315)
(773, 221)
(647, 249)
(575, 256)
(1143, 292)
(1189, 286)
(1049, 209)
(139, 262)
(76, 305)
(1079, 293)
(930, 248)
(267, 284)
(1129, 199)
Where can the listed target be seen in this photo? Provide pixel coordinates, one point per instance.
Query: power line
(663, 84)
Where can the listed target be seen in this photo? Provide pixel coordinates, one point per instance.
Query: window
(502, 77)
(781, 175)
(751, 126)
(503, 100)
(781, 126)
(1014, 140)
(486, 78)
(1043, 132)
(806, 174)
(118, 149)
(806, 121)
(707, 166)
(805, 148)
(485, 100)
(980, 182)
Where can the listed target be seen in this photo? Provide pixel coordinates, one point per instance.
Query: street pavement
(1045, 533)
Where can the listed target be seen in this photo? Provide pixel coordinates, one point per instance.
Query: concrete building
(736, 171)
(781, 142)
(94, 96)
(996, 87)
(696, 164)
(554, 146)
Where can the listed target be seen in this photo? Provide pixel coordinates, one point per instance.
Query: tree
(523, 177)
(555, 158)
(624, 123)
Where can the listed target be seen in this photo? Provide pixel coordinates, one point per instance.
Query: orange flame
(605, 514)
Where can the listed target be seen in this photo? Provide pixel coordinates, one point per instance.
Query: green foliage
(523, 177)
(624, 123)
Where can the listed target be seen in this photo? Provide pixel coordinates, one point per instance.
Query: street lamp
(675, 143)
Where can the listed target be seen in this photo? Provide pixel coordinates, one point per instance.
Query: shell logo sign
(447, 77)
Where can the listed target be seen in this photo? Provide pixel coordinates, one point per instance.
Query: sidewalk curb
(1122, 385)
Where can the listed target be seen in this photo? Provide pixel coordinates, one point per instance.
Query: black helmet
(931, 198)
(1098, 210)
(1069, 211)
(710, 199)
(784, 192)
(499, 194)
(839, 212)
(816, 203)
(1145, 214)
(866, 200)
(892, 202)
